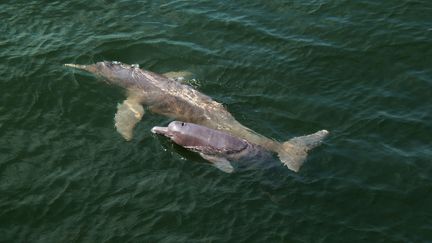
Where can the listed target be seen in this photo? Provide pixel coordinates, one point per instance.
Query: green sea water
(360, 69)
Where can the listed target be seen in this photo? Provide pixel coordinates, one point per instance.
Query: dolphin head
(185, 134)
(112, 72)
(177, 131)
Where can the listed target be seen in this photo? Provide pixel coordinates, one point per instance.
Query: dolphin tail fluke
(293, 153)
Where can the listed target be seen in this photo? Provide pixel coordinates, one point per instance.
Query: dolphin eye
(183, 124)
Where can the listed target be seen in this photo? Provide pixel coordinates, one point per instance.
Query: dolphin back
(207, 140)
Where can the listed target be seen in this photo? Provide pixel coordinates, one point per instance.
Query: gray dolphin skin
(168, 97)
(218, 147)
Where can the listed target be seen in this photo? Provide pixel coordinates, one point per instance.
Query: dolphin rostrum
(171, 98)
(218, 147)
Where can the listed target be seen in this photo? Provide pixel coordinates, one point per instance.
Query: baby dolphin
(221, 148)
(218, 147)
(166, 96)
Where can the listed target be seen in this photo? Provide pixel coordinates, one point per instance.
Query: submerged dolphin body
(168, 97)
(218, 147)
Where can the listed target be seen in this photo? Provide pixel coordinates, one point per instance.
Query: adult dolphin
(173, 99)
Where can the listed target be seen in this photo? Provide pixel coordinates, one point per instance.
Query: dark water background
(361, 69)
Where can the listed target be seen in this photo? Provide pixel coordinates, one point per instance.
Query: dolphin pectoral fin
(220, 163)
(129, 113)
(180, 76)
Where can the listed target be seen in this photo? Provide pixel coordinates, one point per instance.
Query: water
(361, 69)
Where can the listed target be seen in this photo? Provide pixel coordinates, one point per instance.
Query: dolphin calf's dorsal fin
(129, 113)
(219, 162)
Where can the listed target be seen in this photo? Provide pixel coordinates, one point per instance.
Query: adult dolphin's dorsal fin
(129, 113)
(220, 163)
(179, 76)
